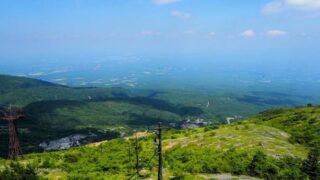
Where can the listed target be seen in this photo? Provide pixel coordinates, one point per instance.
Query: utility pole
(158, 131)
(129, 151)
(160, 152)
(137, 156)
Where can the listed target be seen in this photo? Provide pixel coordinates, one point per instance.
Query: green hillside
(49, 120)
(271, 145)
(53, 111)
(267, 146)
(216, 105)
(21, 91)
(302, 123)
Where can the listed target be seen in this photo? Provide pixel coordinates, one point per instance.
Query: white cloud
(304, 4)
(273, 7)
(276, 33)
(248, 33)
(36, 74)
(278, 6)
(180, 14)
(164, 2)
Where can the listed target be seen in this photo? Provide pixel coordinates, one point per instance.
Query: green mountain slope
(302, 123)
(248, 137)
(21, 91)
(263, 147)
(50, 120)
(53, 111)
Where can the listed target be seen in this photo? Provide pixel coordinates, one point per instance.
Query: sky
(277, 29)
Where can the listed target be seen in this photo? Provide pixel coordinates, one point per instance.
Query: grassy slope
(247, 137)
(302, 123)
(228, 148)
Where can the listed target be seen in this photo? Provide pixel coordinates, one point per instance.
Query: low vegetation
(302, 123)
(261, 147)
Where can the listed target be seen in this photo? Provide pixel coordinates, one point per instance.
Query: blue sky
(71, 28)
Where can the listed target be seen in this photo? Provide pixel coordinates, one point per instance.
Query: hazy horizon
(267, 45)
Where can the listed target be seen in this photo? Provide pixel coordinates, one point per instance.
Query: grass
(200, 153)
(302, 123)
(249, 137)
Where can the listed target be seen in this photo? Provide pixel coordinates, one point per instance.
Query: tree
(256, 166)
(261, 167)
(311, 166)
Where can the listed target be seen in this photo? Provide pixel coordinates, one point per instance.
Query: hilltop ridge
(21, 91)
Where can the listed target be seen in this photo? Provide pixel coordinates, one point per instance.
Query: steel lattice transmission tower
(11, 115)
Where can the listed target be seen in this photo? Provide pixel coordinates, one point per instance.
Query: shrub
(261, 167)
(70, 158)
(311, 166)
(17, 171)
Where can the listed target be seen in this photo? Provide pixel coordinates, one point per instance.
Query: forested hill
(276, 144)
(21, 91)
(53, 111)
